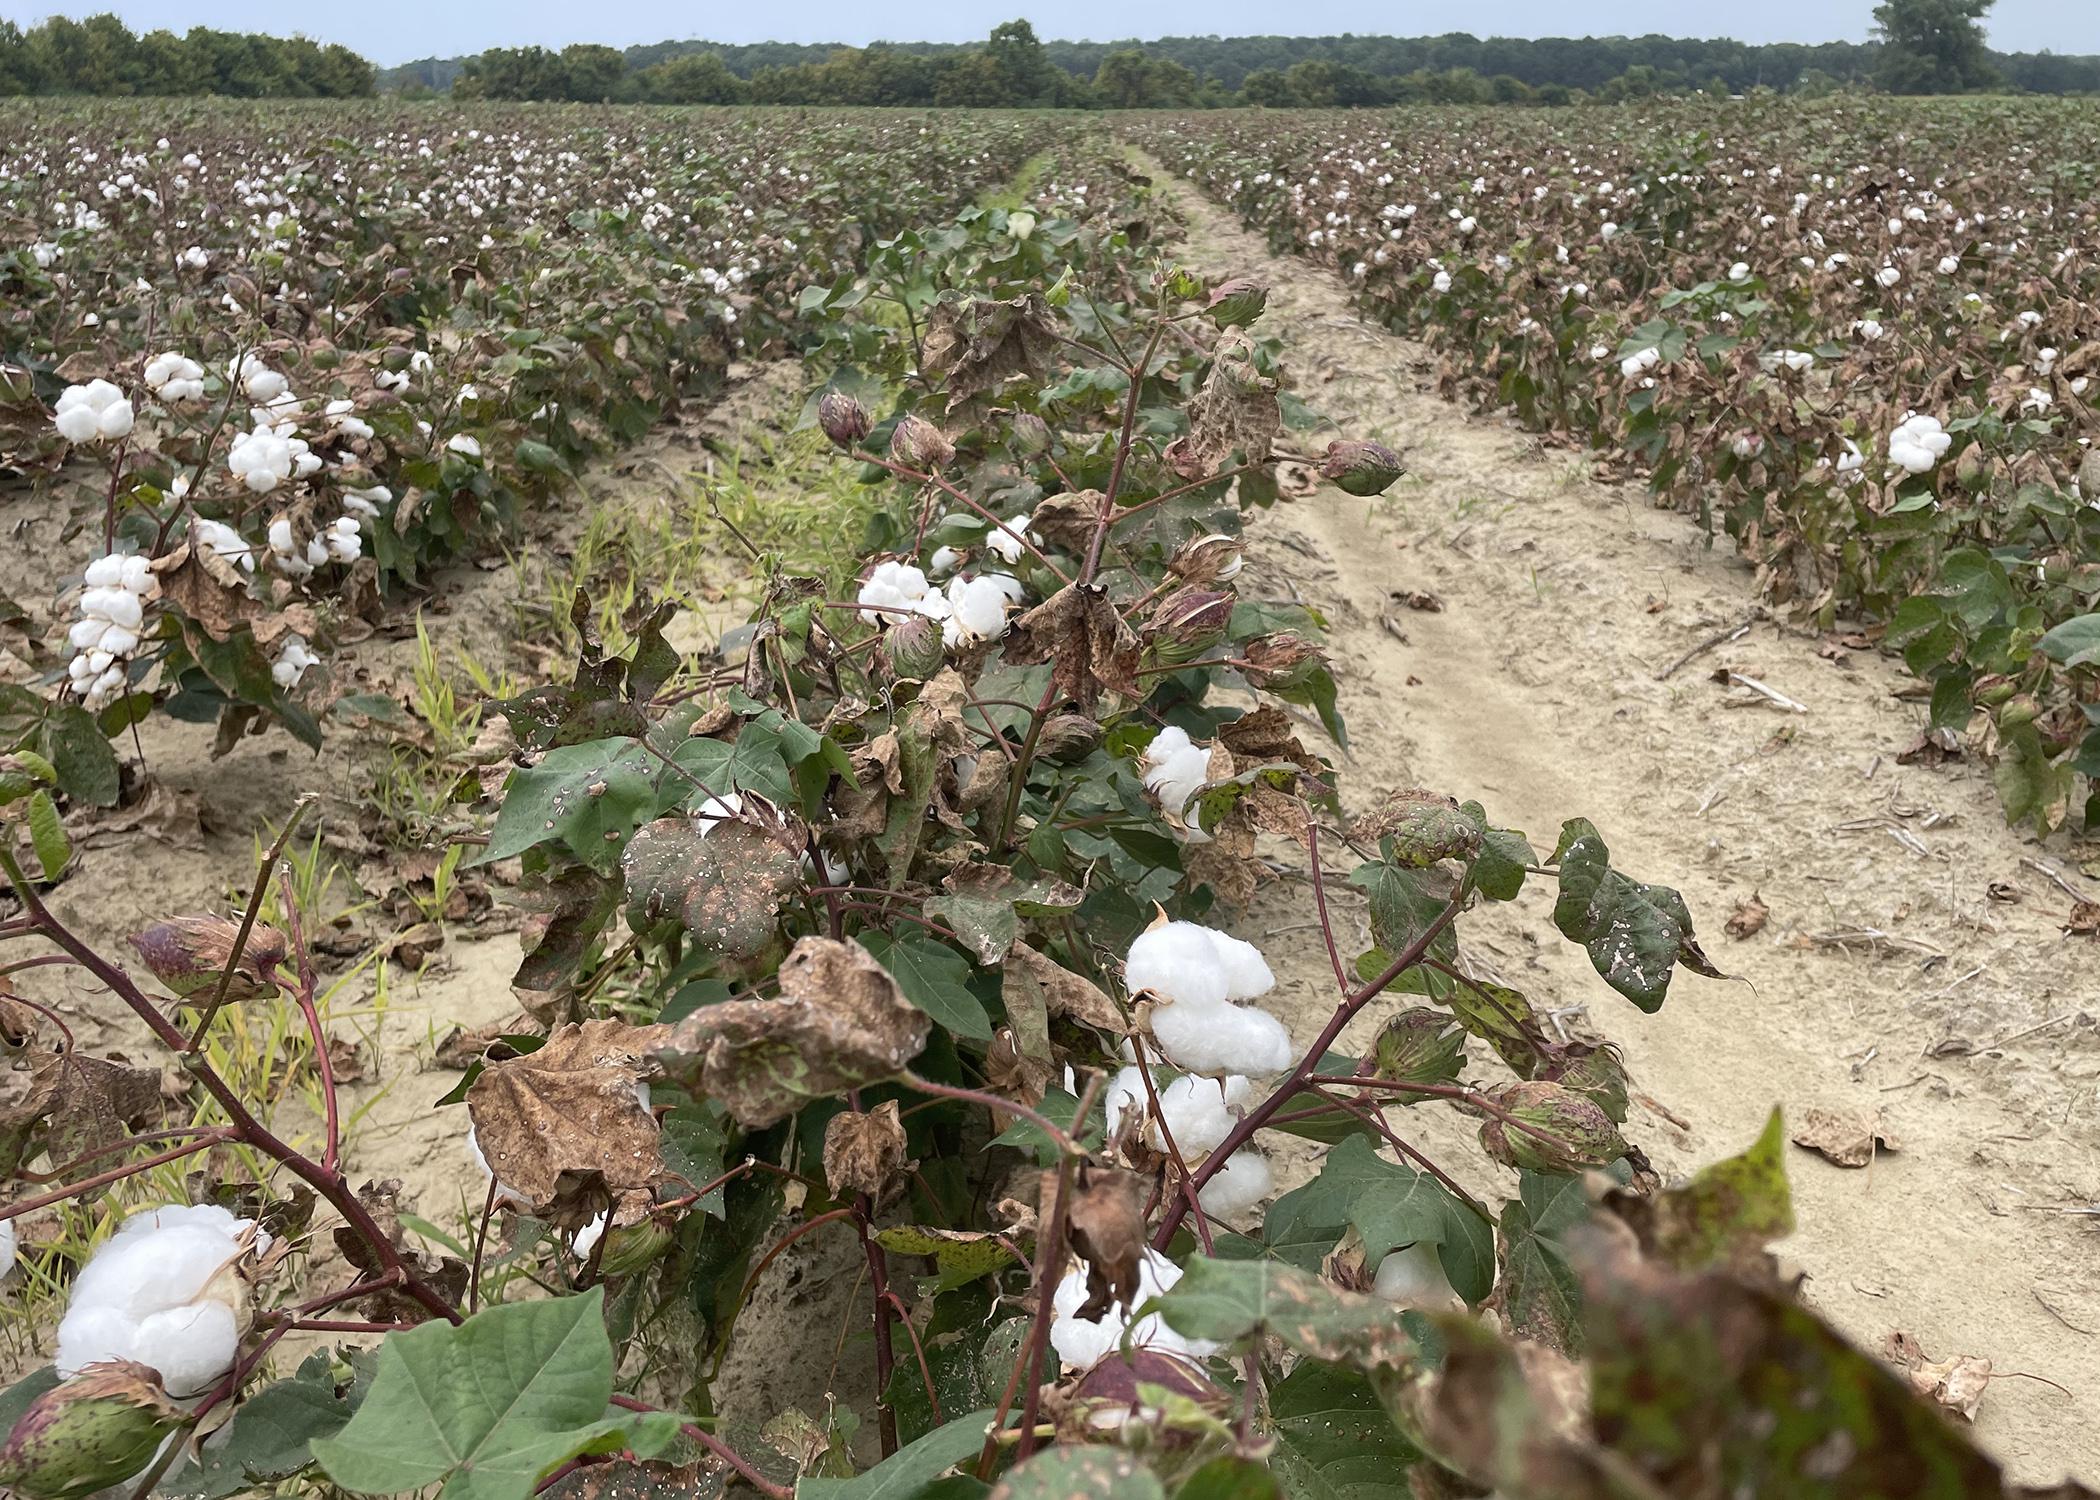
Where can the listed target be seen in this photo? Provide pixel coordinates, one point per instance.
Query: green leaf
(911, 1468)
(591, 797)
(1079, 1472)
(1334, 1438)
(1404, 905)
(71, 740)
(270, 1436)
(754, 762)
(935, 978)
(1229, 1300)
(47, 835)
(1500, 866)
(2075, 643)
(1389, 1205)
(1635, 934)
(489, 1406)
(1231, 1477)
(1541, 1295)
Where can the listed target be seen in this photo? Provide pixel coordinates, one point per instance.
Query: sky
(394, 31)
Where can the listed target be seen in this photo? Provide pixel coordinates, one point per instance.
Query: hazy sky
(392, 31)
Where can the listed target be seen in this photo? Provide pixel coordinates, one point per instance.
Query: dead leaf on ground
(1847, 1137)
(1957, 1384)
(1932, 747)
(2084, 920)
(1418, 599)
(1749, 917)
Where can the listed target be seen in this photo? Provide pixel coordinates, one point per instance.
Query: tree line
(1920, 51)
(102, 55)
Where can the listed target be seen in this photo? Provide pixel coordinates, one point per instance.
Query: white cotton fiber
(1081, 1343)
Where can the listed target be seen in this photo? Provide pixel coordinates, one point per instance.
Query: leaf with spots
(1079, 1472)
(590, 797)
(1635, 934)
(1229, 1300)
(1334, 1437)
(1724, 1216)
(840, 1022)
(724, 886)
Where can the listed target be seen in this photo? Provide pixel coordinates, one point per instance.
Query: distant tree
(1933, 47)
(1129, 78)
(1268, 86)
(692, 78)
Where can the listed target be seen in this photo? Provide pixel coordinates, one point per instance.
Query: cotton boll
(1082, 1343)
(1174, 769)
(92, 412)
(1177, 960)
(1413, 1276)
(723, 809)
(163, 1291)
(1199, 1112)
(587, 1237)
(1221, 1038)
(10, 1247)
(977, 608)
(1006, 539)
(1242, 1182)
(1247, 973)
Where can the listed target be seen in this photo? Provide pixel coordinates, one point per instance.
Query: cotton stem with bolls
(327, 1182)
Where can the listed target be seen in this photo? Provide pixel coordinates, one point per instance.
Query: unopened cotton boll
(164, 1291)
(91, 413)
(1082, 1343)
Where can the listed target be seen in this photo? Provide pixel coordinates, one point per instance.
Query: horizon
(466, 28)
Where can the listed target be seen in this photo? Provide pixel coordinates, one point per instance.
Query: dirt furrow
(1529, 671)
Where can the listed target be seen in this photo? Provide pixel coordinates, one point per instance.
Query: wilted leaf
(1957, 1384)
(1106, 1227)
(1749, 917)
(1424, 827)
(571, 1107)
(1081, 634)
(840, 1022)
(1061, 992)
(963, 1254)
(976, 345)
(1235, 411)
(864, 1152)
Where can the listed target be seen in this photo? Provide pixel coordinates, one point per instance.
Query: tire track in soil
(1535, 689)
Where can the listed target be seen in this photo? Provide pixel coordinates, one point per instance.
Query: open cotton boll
(162, 1291)
(587, 1237)
(1242, 1182)
(977, 608)
(1199, 1112)
(1220, 1037)
(505, 1193)
(10, 1247)
(1174, 769)
(715, 810)
(1413, 1276)
(1082, 1343)
(891, 586)
(1247, 973)
(1177, 960)
(1007, 539)
(92, 412)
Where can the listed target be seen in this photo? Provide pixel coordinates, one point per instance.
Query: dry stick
(1049, 1266)
(255, 901)
(1302, 1074)
(173, 1132)
(918, 1349)
(1718, 638)
(1065, 1144)
(885, 1351)
(114, 1174)
(718, 1448)
(329, 1185)
(1319, 885)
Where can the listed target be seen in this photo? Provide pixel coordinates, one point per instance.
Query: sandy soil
(1973, 1027)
